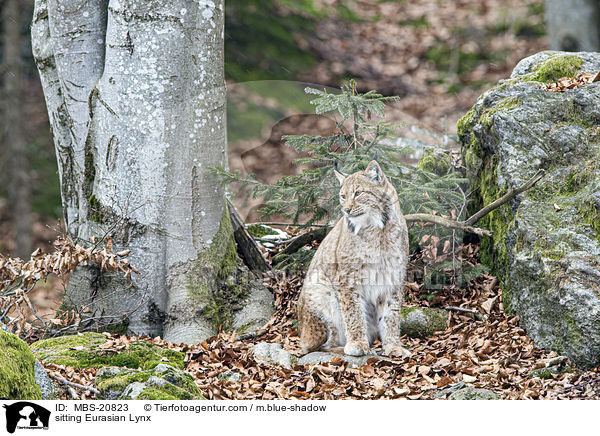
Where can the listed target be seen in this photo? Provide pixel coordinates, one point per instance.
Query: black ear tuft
(340, 176)
(376, 155)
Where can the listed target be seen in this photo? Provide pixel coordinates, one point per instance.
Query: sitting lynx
(353, 289)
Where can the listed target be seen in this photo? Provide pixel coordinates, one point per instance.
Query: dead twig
(300, 241)
(435, 219)
(246, 246)
(476, 314)
(467, 225)
(75, 385)
(286, 224)
(506, 197)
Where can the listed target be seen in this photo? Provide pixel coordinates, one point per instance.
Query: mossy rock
(163, 382)
(17, 369)
(555, 67)
(545, 248)
(435, 161)
(422, 322)
(546, 373)
(85, 351)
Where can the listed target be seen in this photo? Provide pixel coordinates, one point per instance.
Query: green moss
(473, 154)
(259, 230)
(179, 385)
(575, 335)
(504, 105)
(95, 210)
(589, 213)
(84, 351)
(17, 369)
(554, 68)
(435, 161)
(167, 392)
(434, 320)
(159, 394)
(494, 249)
(216, 280)
(482, 170)
(465, 122)
(544, 373)
(574, 115)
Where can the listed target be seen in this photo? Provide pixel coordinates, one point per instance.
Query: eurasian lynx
(354, 286)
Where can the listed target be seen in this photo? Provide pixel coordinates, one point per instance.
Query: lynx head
(366, 197)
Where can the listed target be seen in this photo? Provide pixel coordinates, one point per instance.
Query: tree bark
(15, 160)
(572, 25)
(135, 93)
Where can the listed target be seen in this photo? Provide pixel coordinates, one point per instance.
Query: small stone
(231, 376)
(470, 393)
(319, 357)
(133, 391)
(270, 354)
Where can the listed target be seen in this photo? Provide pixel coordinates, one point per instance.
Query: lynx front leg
(390, 327)
(357, 342)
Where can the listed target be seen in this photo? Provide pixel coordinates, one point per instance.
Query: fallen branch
(506, 197)
(246, 246)
(75, 385)
(300, 241)
(476, 314)
(268, 223)
(467, 225)
(435, 219)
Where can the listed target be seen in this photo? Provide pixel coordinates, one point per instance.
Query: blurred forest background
(437, 55)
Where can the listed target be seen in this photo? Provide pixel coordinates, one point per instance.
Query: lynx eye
(357, 193)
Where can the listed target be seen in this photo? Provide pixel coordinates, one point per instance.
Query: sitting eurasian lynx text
(353, 289)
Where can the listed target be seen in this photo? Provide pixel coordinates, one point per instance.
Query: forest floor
(492, 353)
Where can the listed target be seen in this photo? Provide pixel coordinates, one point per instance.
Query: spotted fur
(353, 290)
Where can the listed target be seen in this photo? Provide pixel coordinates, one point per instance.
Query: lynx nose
(347, 210)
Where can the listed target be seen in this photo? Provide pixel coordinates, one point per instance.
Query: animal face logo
(26, 415)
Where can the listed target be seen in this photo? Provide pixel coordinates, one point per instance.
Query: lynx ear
(340, 176)
(374, 172)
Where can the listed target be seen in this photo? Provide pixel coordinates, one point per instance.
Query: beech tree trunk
(136, 97)
(572, 25)
(15, 159)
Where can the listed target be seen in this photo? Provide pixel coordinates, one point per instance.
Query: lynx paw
(358, 348)
(396, 350)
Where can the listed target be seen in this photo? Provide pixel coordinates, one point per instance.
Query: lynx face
(366, 198)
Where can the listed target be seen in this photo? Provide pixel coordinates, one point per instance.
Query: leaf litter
(493, 354)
